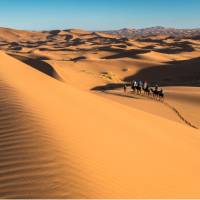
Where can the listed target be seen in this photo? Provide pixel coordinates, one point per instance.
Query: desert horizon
(112, 114)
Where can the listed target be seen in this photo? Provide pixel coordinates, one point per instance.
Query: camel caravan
(138, 86)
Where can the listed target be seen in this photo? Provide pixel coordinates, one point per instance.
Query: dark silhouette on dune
(39, 65)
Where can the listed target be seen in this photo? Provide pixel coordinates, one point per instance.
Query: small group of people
(138, 86)
(141, 84)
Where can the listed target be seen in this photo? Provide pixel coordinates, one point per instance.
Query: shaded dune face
(186, 73)
(40, 65)
(129, 53)
(31, 164)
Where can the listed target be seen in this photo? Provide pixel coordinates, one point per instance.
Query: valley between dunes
(67, 130)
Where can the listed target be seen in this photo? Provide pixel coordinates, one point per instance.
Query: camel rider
(156, 87)
(132, 84)
(141, 84)
(135, 84)
(145, 84)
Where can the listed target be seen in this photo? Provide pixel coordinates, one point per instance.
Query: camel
(158, 94)
(146, 91)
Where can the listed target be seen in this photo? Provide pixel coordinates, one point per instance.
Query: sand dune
(75, 156)
(61, 139)
(11, 35)
(29, 164)
(105, 35)
(156, 56)
(39, 65)
(78, 31)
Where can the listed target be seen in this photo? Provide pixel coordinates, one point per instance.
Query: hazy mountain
(157, 30)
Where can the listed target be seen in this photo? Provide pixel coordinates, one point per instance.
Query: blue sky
(98, 14)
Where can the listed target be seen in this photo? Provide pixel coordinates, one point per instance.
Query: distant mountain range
(80, 36)
(157, 30)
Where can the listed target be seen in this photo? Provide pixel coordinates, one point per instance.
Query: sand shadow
(109, 86)
(110, 49)
(177, 47)
(127, 95)
(149, 47)
(158, 41)
(78, 58)
(175, 73)
(127, 54)
(77, 41)
(39, 65)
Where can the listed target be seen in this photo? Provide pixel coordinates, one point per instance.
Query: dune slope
(60, 142)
